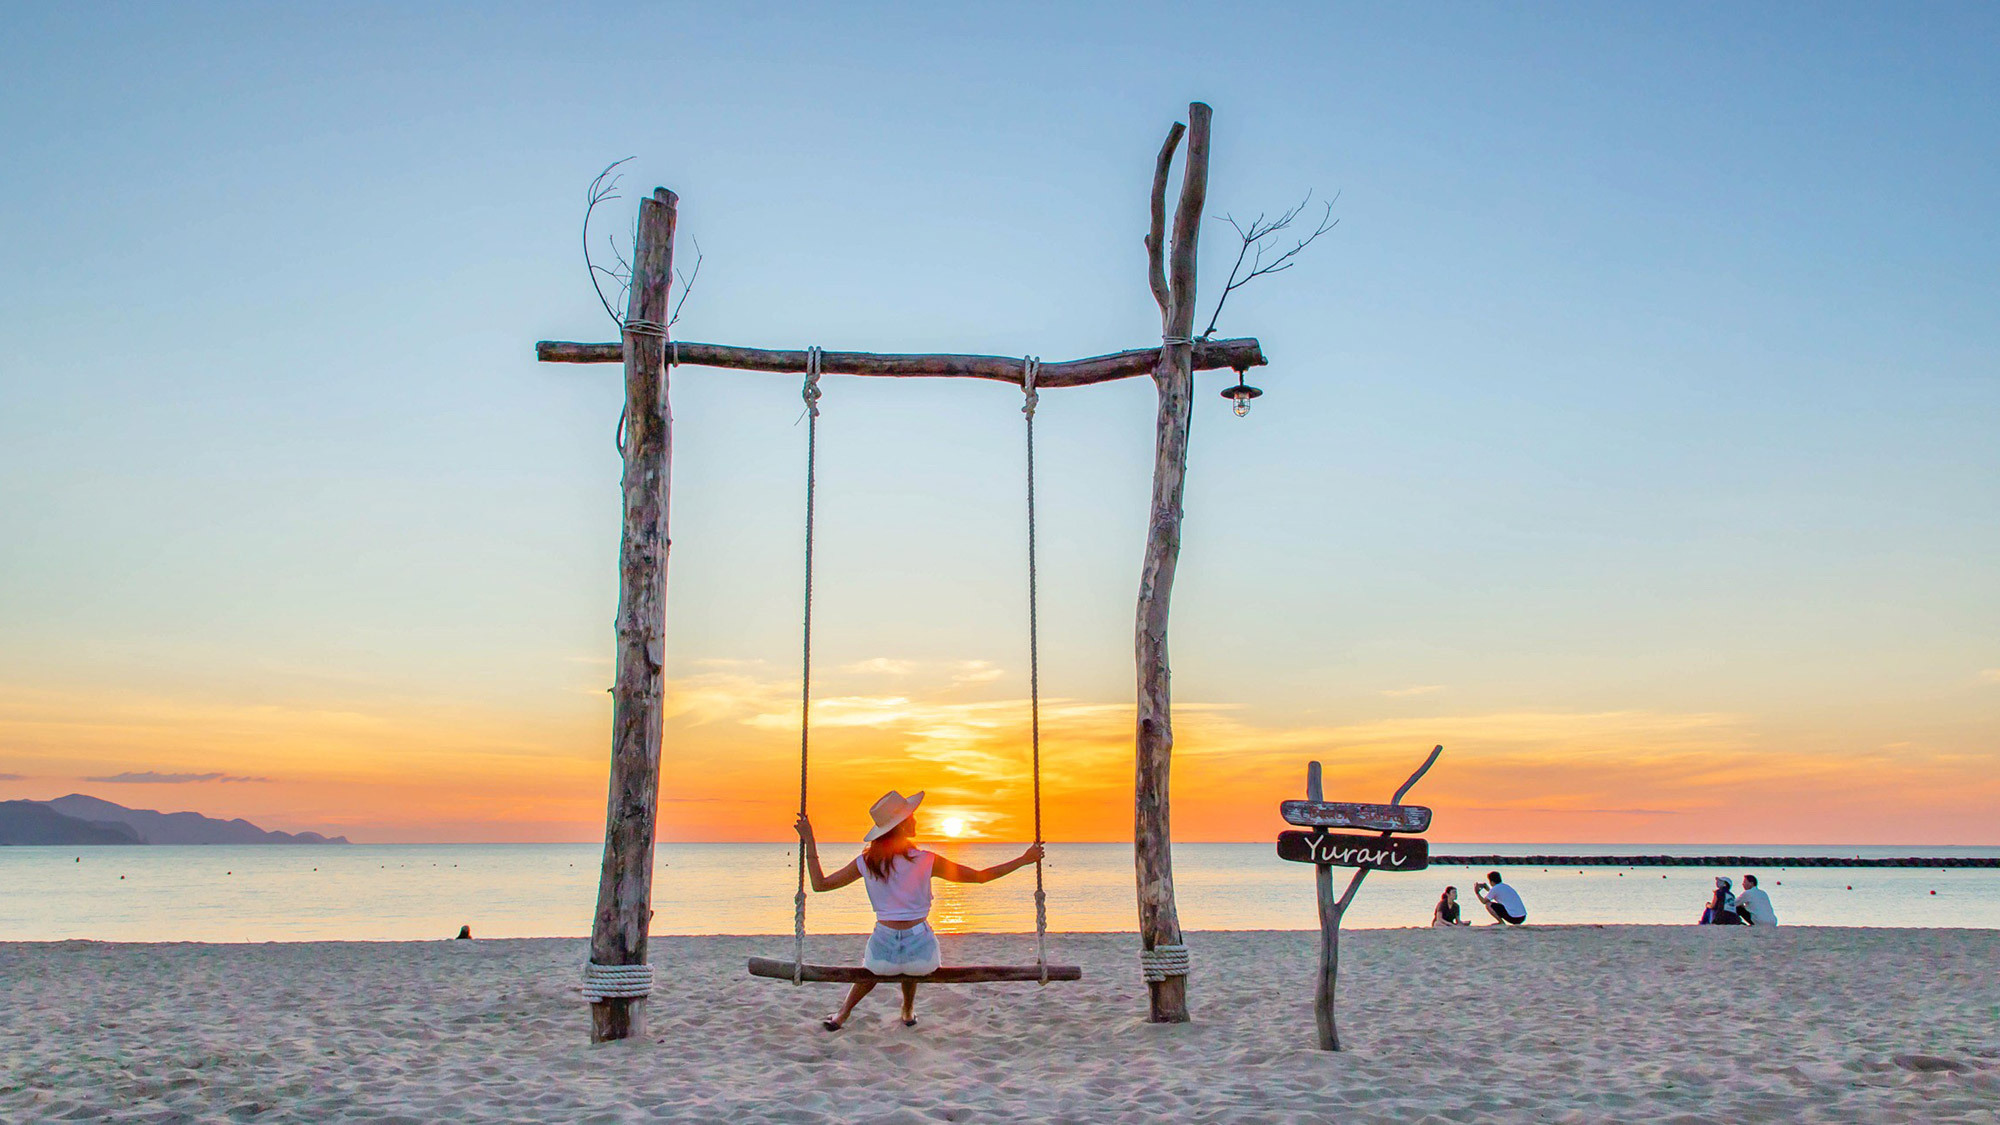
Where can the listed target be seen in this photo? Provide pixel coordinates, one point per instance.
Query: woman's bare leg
(854, 995)
(909, 1001)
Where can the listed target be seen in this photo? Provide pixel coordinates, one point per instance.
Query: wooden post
(625, 887)
(1329, 934)
(1174, 288)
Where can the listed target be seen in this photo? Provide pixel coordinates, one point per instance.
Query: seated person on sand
(1721, 910)
(1446, 913)
(898, 876)
(1754, 906)
(1500, 900)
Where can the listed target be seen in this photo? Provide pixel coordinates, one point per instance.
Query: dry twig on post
(604, 188)
(1262, 253)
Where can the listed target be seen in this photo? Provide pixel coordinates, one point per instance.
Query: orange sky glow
(443, 773)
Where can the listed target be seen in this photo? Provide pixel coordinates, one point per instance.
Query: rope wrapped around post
(811, 393)
(1163, 961)
(645, 328)
(1031, 368)
(616, 982)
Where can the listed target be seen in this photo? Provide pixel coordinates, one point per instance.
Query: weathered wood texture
(625, 886)
(1173, 376)
(1377, 853)
(1350, 814)
(1209, 355)
(950, 974)
(1329, 936)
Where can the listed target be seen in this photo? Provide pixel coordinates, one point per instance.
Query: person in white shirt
(1500, 900)
(1754, 906)
(897, 874)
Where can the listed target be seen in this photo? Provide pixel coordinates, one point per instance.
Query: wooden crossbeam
(1209, 355)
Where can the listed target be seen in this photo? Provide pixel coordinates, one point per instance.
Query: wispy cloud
(1418, 689)
(881, 666)
(13, 777)
(148, 777)
(1550, 810)
(977, 672)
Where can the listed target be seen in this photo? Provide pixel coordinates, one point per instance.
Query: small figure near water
(464, 934)
(897, 875)
(1754, 906)
(1501, 900)
(1446, 912)
(1721, 910)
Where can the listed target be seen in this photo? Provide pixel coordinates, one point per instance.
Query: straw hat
(891, 810)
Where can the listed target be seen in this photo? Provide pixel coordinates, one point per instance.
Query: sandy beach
(1544, 1024)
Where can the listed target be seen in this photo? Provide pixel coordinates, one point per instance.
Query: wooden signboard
(1347, 814)
(1327, 850)
(1375, 853)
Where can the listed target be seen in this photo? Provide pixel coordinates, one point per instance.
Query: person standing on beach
(1754, 906)
(1446, 912)
(1501, 900)
(897, 875)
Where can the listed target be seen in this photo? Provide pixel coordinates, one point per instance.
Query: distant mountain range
(80, 819)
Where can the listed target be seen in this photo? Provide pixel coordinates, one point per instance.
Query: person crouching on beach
(1446, 913)
(897, 874)
(1501, 900)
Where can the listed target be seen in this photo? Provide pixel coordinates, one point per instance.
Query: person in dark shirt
(1721, 906)
(1446, 913)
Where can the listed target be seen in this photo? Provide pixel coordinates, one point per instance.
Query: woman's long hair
(883, 850)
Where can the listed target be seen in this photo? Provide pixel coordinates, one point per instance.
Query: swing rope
(811, 394)
(1031, 368)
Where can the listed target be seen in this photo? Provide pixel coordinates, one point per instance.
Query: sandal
(910, 1022)
(831, 1024)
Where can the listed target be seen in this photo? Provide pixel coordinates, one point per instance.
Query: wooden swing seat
(775, 969)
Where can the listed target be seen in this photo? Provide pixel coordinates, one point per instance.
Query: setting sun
(953, 826)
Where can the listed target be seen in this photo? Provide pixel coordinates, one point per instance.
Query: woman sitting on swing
(898, 876)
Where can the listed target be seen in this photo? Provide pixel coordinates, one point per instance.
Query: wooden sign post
(1326, 850)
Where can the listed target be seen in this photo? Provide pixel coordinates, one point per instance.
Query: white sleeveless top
(905, 895)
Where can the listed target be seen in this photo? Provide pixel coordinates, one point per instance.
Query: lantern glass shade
(1240, 396)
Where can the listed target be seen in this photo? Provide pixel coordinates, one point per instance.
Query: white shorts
(901, 953)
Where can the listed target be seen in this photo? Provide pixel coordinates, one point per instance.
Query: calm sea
(400, 892)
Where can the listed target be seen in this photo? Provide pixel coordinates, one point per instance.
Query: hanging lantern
(1240, 394)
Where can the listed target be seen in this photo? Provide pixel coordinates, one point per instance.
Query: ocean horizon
(399, 892)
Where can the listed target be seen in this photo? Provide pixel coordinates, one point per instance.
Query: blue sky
(1651, 370)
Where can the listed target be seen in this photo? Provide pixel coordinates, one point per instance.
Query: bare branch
(1156, 237)
(1354, 884)
(603, 189)
(687, 282)
(1261, 254)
